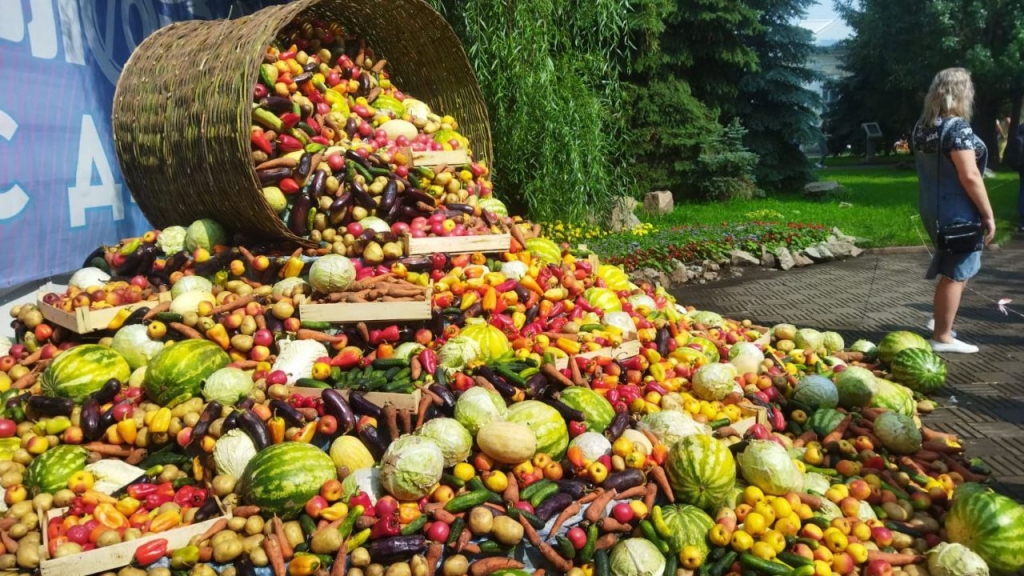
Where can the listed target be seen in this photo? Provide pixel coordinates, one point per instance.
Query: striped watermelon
(701, 470)
(603, 299)
(597, 410)
(687, 526)
(614, 277)
(492, 204)
(544, 250)
(49, 472)
(919, 369)
(546, 423)
(492, 341)
(282, 478)
(992, 526)
(893, 342)
(177, 372)
(894, 397)
(78, 372)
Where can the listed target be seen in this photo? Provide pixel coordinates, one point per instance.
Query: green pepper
(185, 558)
(267, 119)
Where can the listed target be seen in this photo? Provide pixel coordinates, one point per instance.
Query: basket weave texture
(182, 108)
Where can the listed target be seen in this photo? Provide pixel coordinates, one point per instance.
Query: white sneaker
(931, 327)
(955, 346)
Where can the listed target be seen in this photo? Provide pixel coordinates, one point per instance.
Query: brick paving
(866, 297)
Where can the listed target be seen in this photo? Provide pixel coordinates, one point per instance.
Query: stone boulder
(800, 259)
(659, 202)
(743, 258)
(651, 276)
(767, 258)
(784, 258)
(622, 217)
(821, 188)
(679, 275)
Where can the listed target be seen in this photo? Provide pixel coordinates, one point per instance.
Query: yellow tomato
(464, 471)
(496, 481)
(858, 552)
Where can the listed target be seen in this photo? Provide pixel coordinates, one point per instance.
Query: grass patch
(876, 204)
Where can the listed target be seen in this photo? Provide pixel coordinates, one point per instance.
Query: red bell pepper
(288, 143)
(290, 119)
(151, 551)
(585, 266)
(532, 329)
(386, 526)
(190, 496)
(259, 140)
(576, 313)
(428, 360)
(438, 260)
(362, 499)
(320, 140)
(140, 491)
(556, 324)
(507, 285)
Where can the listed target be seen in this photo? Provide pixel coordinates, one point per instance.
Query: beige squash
(507, 442)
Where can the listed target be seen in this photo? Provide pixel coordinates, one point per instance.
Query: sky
(826, 25)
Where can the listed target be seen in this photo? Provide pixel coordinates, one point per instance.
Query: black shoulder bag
(954, 237)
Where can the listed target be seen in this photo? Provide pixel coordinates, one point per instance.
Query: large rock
(819, 253)
(841, 249)
(743, 258)
(659, 202)
(622, 217)
(767, 258)
(800, 259)
(821, 188)
(651, 276)
(843, 237)
(784, 258)
(679, 275)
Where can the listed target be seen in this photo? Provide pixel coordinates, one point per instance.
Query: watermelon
(492, 204)
(893, 342)
(546, 423)
(992, 526)
(856, 386)
(598, 411)
(701, 471)
(388, 105)
(816, 392)
(824, 421)
(894, 397)
(445, 136)
(919, 369)
(282, 478)
(78, 372)
(544, 250)
(603, 299)
(706, 347)
(50, 471)
(492, 341)
(614, 277)
(177, 372)
(687, 526)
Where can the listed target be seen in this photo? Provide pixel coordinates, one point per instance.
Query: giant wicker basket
(182, 109)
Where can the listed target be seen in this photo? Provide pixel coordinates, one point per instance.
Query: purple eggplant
(336, 405)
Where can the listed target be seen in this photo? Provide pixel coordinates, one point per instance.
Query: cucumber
(466, 501)
(516, 513)
(602, 564)
(311, 383)
(415, 526)
(762, 566)
(540, 496)
(565, 547)
(716, 424)
(794, 560)
(169, 317)
(457, 527)
(315, 325)
(804, 570)
(529, 491)
(385, 363)
(452, 480)
(719, 567)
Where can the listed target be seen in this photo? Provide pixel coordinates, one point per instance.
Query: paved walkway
(983, 401)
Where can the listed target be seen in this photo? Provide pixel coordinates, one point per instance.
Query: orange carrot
(964, 471)
(872, 413)
(245, 511)
(340, 559)
(894, 559)
(434, 552)
(10, 543)
(651, 494)
(556, 559)
(511, 493)
(803, 439)
(421, 410)
(214, 528)
(273, 549)
(286, 547)
(239, 302)
(186, 331)
(568, 512)
(463, 539)
(25, 381)
(607, 541)
(651, 437)
(154, 310)
(631, 493)
(555, 374)
(108, 450)
(442, 515)
(929, 434)
(596, 509)
(577, 378)
(814, 502)
(485, 566)
(31, 358)
(318, 336)
(531, 533)
(658, 474)
(837, 434)
(609, 524)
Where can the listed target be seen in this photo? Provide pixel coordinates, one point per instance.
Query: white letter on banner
(84, 194)
(12, 200)
(12, 25)
(71, 31)
(42, 30)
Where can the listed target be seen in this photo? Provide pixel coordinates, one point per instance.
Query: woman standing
(950, 162)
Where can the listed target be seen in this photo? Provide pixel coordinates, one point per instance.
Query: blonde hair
(951, 94)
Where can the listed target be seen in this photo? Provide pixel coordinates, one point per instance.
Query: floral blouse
(959, 136)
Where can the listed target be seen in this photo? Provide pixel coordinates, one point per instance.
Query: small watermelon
(919, 369)
(893, 342)
(50, 471)
(816, 392)
(614, 277)
(603, 299)
(547, 424)
(856, 386)
(492, 204)
(78, 372)
(282, 478)
(177, 372)
(687, 526)
(544, 250)
(992, 526)
(492, 341)
(894, 397)
(701, 470)
(597, 410)
(389, 105)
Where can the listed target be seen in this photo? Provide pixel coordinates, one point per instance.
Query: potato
(507, 531)
(259, 557)
(67, 549)
(418, 564)
(223, 484)
(18, 531)
(28, 556)
(481, 520)
(236, 523)
(254, 525)
(457, 565)
(901, 540)
(131, 571)
(108, 538)
(360, 557)
(398, 569)
(159, 572)
(252, 543)
(202, 570)
(8, 562)
(227, 551)
(374, 570)
(20, 509)
(222, 537)
(326, 542)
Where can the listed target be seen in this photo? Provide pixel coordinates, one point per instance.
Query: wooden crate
(430, 158)
(627, 349)
(752, 414)
(457, 244)
(382, 399)
(117, 556)
(84, 320)
(346, 312)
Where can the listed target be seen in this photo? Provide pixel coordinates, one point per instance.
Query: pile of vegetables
(551, 417)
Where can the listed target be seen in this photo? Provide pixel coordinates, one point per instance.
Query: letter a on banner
(84, 194)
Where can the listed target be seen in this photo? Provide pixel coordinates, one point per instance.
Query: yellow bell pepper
(569, 346)
(165, 521)
(518, 319)
(118, 320)
(336, 511)
(127, 430)
(219, 335)
(490, 299)
(303, 565)
(292, 268)
(306, 433)
(127, 505)
(276, 426)
(468, 299)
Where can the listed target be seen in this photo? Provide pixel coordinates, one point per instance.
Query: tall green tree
(774, 104)
(549, 72)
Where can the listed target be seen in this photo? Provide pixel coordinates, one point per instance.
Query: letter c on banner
(13, 200)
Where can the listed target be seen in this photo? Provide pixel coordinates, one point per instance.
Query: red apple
(878, 568)
(140, 281)
(882, 536)
(263, 337)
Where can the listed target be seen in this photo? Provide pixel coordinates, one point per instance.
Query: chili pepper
(502, 322)
(428, 359)
(276, 426)
(531, 284)
(161, 421)
(532, 329)
(289, 143)
(267, 119)
(156, 500)
(259, 140)
(506, 286)
(151, 551)
(127, 505)
(109, 516)
(556, 324)
(568, 346)
(289, 119)
(140, 491)
(306, 433)
(165, 521)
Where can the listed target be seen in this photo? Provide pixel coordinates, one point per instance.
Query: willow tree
(549, 73)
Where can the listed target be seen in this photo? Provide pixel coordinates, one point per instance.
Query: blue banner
(61, 190)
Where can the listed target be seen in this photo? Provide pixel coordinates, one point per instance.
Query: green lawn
(876, 204)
